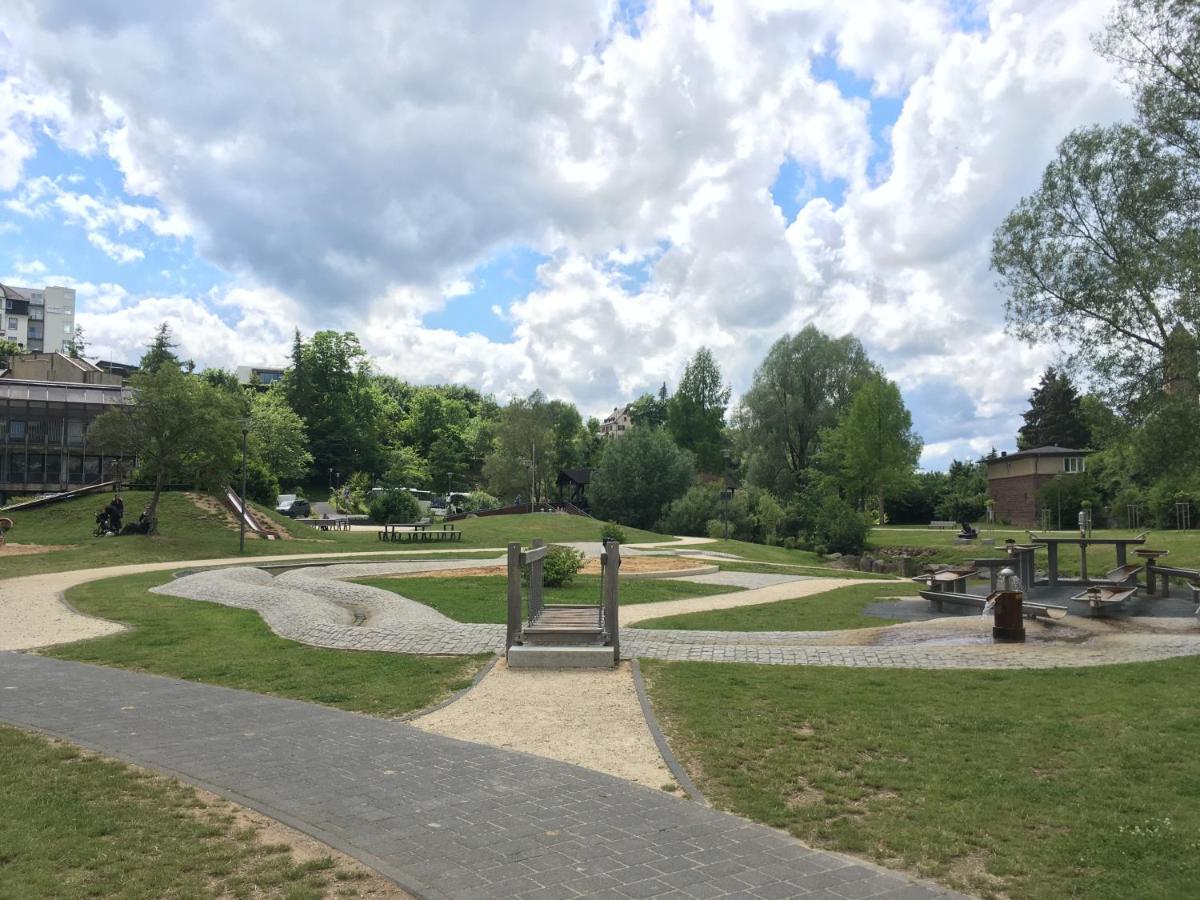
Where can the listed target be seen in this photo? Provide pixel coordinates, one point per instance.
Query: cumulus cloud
(351, 166)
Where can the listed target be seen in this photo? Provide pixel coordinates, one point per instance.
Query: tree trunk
(160, 482)
(882, 517)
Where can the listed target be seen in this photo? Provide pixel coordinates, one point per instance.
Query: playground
(833, 732)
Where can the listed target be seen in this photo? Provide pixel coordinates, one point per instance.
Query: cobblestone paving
(313, 606)
(445, 818)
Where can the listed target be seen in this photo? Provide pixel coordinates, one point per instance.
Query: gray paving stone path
(315, 606)
(445, 818)
(748, 580)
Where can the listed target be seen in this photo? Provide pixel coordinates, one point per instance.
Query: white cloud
(364, 189)
(122, 253)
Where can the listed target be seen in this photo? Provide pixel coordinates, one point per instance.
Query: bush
(479, 501)
(261, 486)
(690, 514)
(394, 506)
(831, 524)
(613, 532)
(559, 567)
(639, 473)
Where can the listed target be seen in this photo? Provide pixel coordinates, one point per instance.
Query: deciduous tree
(640, 472)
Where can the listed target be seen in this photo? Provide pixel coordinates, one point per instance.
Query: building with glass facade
(47, 404)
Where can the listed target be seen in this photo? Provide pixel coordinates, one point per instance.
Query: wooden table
(1052, 544)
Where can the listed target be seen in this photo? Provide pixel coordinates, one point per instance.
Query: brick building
(1014, 479)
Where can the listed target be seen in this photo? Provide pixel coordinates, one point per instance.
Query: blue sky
(465, 189)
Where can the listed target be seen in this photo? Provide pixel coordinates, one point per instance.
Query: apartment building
(38, 319)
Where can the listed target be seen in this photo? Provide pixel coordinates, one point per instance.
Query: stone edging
(457, 695)
(660, 740)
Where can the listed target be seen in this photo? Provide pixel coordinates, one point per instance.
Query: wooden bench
(420, 532)
(943, 524)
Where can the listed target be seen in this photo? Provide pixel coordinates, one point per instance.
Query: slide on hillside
(255, 524)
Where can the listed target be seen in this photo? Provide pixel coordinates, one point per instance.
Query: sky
(571, 196)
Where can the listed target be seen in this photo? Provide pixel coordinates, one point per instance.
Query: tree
(1157, 43)
(1055, 417)
(161, 352)
(650, 410)
(406, 469)
(798, 391)
(76, 345)
(178, 427)
(8, 349)
(523, 458)
(394, 506)
(873, 449)
(640, 472)
(696, 414)
(224, 379)
(1098, 257)
(278, 438)
(329, 384)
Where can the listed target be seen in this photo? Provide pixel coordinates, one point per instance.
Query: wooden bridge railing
(535, 558)
(610, 565)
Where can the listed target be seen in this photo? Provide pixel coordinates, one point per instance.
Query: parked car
(292, 506)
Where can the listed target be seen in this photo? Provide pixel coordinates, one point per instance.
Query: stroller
(104, 524)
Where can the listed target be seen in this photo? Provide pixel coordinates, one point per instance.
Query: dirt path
(590, 717)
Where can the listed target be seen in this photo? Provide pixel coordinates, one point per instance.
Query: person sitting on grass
(116, 511)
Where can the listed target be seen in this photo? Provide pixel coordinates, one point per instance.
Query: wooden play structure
(556, 635)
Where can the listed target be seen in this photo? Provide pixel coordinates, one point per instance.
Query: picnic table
(419, 532)
(330, 523)
(1052, 544)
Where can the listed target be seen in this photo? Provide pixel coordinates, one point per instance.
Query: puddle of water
(941, 639)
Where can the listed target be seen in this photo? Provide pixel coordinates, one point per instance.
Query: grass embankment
(829, 611)
(234, 648)
(937, 545)
(1036, 784)
(187, 531)
(76, 825)
(483, 598)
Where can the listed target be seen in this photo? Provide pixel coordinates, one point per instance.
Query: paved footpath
(443, 817)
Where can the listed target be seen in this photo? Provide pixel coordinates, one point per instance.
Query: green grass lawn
(188, 532)
(1037, 784)
(829, 611)
(235, 648)
(76, 826)
(939, 546)
(798, 569)
(484, 598)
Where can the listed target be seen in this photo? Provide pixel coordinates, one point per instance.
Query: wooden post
(1120, 554)
(514, 595)
(611, 599)
(1051, 565)
(1083, 576)
(536, 578)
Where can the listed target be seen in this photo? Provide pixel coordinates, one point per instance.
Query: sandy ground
(629, 564)
(589, 717)
(787, 591)
(10, 549)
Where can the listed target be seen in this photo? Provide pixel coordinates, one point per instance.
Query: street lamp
(726, 492)
(245, 423)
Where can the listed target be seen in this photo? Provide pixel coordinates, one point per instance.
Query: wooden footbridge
(553, 635)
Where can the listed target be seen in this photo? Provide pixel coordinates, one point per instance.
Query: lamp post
(726, 492)
(245, 423)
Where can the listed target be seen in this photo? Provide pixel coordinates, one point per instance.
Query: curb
(457, 695)
(660, 740)
(667, 574)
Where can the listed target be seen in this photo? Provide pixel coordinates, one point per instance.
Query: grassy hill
(189, 531)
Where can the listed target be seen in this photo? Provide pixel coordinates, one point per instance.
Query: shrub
(613, 532)
(478, 501)
(560, 566)
(394, 506)
(261, 486)
(690, 514)
(831, 524)
(639, 473)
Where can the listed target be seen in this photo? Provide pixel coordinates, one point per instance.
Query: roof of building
(55, 392)
(10, 294)
(575, 476)
(1038, 451)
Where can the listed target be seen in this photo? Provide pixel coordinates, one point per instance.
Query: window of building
(74, 433)
(1073, 464)
(16, 431)
(67, 329)
(12, 323)
(37, 432)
